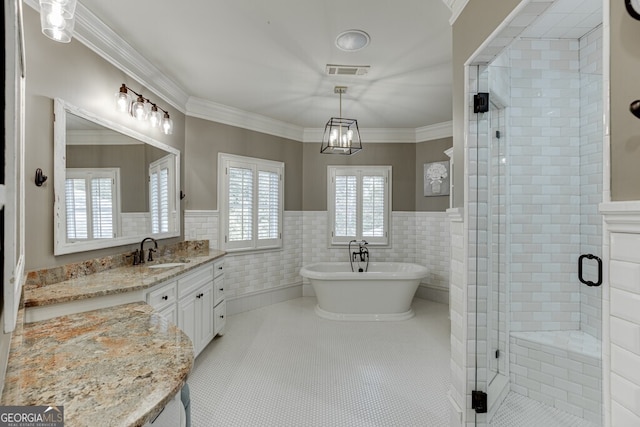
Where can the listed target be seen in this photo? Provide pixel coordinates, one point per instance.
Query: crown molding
(391, 135)
(437, 131)
(209, 110)
(456, 7)
(621, 216)
(97, 36)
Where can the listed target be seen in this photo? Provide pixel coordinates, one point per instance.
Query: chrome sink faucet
(150, 249)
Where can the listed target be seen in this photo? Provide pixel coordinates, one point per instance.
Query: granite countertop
(113, 281)
(117, 366)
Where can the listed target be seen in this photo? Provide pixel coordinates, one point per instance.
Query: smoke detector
(347, 70)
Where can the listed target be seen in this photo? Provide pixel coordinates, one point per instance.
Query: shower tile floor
(282, 365)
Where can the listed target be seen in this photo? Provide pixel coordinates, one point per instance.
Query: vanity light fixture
(341, 135)
(57, 19)
(143, 109)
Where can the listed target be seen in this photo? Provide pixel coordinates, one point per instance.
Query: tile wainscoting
(262, 278)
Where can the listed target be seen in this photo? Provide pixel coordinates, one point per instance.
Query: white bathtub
(384, 292)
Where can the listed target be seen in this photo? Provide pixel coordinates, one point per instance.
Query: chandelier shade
(341, 135)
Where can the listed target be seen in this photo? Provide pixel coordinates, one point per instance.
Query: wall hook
(182, 195)
(40, 177)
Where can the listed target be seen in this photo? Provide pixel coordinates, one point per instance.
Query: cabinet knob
(220, 268)
(222, 316)
(221, 289)
(165, 297)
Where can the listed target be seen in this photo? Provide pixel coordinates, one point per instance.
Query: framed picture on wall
(436, 179)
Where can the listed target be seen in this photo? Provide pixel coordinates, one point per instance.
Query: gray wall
(426, 152)
(77, 75)
(130, 159)
(625, 88)
(205, 139)
(399, 156)
(476, 22)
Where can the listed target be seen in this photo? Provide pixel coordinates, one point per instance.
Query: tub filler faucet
(361, 255)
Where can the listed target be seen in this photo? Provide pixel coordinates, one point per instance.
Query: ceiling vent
(347, 70)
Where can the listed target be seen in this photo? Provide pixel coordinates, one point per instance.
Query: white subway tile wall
(544, 161)
(132, 222)
(624, 326)
(420, 237)
(562, 369)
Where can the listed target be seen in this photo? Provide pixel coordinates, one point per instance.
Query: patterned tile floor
(282, 365)
(520, 411)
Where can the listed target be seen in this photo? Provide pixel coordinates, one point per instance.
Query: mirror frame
(61, 245)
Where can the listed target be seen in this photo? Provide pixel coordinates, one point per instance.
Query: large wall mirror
(113, 186)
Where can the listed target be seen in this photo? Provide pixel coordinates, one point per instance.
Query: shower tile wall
(545, 185)
(591, 130)
(421, 237)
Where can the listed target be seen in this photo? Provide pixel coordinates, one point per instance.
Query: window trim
(255, 165)
(359, 171)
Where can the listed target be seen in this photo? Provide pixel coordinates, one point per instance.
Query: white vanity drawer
(219, 318)
(218, 268)
(163, 296)
(218, 290)
(194, 279)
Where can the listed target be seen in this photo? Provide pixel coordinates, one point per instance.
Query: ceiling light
(341, 135)
(57, 19)
(352, 40)
(142, 109)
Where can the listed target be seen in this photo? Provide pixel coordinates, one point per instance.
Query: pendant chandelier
(341, 135)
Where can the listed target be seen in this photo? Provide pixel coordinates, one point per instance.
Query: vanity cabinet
(194, 302)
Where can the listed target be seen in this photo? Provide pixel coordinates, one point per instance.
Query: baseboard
(263, 298)
(433, 293)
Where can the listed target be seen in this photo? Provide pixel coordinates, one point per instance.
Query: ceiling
(269, 58)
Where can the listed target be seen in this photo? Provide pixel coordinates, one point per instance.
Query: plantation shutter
(373, 206)
(160, 206)
(252, 202)
(268, 205)
(102, 207)
(91, 203)
(240, 202)
(358, 199)
(346, 206)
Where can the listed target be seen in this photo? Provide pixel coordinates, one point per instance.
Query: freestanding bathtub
(384, 292)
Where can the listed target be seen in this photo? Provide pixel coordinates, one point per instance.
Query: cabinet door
(187, 319)
(206, 314)
(170, 314)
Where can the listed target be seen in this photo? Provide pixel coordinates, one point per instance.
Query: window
(251, 202)
(160, 195)
(359, 203)
(92, 203)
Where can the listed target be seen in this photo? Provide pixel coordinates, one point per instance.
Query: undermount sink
(168, 265)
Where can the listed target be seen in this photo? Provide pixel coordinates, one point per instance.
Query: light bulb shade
(167, 124)
(155, 117)
(57, 19)
(123, 99)
(139, 109)
(341, 136)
